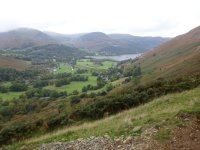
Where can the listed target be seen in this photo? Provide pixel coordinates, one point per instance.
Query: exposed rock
(137, 128)
(128, 140)
(101, 143)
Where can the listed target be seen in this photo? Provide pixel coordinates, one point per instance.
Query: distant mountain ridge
(111, 44)
(95, 42)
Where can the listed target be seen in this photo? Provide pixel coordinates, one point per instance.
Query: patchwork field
(85, 64)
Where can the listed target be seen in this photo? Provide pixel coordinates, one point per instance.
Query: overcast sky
(137, 17)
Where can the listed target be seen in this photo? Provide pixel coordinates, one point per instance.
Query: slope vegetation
(177, 57)
(160, 114)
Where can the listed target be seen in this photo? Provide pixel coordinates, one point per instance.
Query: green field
(10, 95)
(74, 85)
(88, 64)
(81, 64)
(84, 64)
(7, 84)
(64, 67)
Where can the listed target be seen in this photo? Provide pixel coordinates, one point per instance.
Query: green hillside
(175, 58)
(161, 113)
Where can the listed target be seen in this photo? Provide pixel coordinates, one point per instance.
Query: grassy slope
(173, 63)
(179, 56)
(8, 62)
(161, 112)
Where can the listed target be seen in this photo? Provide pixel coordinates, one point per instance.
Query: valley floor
(168, 122)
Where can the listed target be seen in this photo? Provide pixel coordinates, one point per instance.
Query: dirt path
(187, 137)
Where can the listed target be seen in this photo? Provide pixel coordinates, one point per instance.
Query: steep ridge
(179, 56)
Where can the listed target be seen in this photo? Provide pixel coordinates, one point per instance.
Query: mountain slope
(94, 40)
(23, 38)
(109, 44)
(56, 51)
(137, 43)
(99, 42)
(177, 57)
(117, 43)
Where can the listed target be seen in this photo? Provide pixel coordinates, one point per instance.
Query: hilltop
(23, 38)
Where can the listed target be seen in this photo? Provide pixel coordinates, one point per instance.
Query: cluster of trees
(65, 81)
(136, 71)
(40, 83)
(89, 87)
(60, 79)
(45, 93)
(111, 74)
(61, 82)
(109, 87)
(8, 74)
(16, 86)
(81, 71)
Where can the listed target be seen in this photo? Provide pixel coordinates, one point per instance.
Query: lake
(116, 58)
